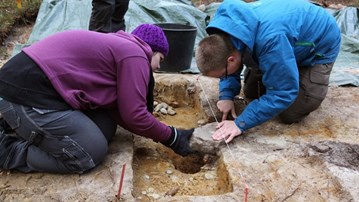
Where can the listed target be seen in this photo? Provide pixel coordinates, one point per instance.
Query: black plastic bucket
(181, 39)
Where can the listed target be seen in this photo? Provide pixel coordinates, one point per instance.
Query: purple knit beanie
(154, 36)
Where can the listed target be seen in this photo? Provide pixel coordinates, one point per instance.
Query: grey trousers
(313, 85)
(54, 141)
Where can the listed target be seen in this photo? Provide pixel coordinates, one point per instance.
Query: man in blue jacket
(290, 46)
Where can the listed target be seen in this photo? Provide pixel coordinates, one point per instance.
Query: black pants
(108, 15)
(313, 88)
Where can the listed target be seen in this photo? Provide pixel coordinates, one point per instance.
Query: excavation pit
(158, 171)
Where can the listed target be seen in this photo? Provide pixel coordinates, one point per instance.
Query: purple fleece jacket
(96, 70)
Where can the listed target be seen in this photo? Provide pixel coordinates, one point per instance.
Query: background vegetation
(14, 13)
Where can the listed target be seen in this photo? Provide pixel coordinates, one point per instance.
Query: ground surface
(316, 160)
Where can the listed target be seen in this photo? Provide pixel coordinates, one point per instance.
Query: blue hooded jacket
(281, 35)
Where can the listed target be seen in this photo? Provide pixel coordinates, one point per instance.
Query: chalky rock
(164, 105)
(163, 111)
(158, 108)
(202, 140)
(171, 112)
(164, 108)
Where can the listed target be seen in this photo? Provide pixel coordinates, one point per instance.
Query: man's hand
(226, 106)
(226, 130)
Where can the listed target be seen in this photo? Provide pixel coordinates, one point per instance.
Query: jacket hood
(237, 19)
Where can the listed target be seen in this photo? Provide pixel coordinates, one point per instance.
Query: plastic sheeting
(346, 68)
(56, 16)
(59, 15)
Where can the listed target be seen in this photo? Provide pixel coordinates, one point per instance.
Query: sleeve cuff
(241, 124)
(226, 95)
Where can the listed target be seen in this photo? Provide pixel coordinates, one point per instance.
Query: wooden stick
(121, 181)
(246, 190)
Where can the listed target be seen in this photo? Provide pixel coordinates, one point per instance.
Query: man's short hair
(212, 52)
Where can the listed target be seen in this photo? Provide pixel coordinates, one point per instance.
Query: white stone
(171, 112)
(163, 111)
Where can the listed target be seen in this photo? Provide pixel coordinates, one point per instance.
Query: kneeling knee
(292, 118)
(87, 160)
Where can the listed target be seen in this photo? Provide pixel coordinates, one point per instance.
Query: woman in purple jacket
(65, 95)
